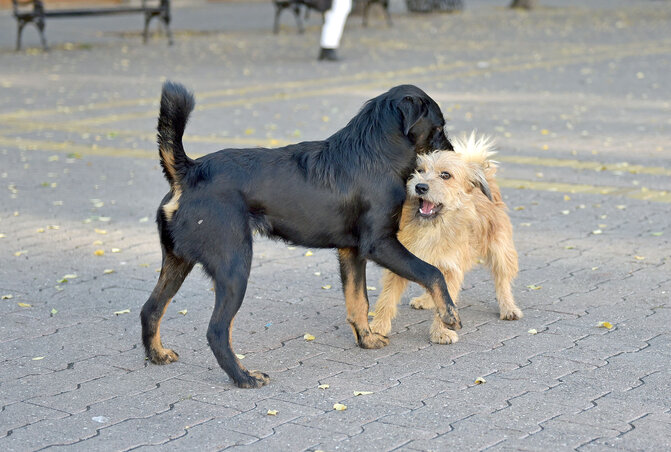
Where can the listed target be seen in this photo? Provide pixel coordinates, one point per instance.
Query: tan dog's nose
(421, 189)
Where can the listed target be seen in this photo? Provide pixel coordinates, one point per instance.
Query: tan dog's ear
(478, 179)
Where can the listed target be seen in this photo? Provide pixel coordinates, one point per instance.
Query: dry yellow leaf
(183, 312)
(326, 287)
(534, 287)
(358, 393)
(480, 380)
(240, 356)
(25, 305)
(519, 208)
(308, 337)
(324, 386)
(272, 412)
(567, 198)
(99, 253)
(308, 253)
(532, 331)
(116, 250)
(98, 243)
(38, 358)
(19, 253)
(639, 258)
(371, 288)
(2, 236)
(606, 325)
(317, 273)
(100, 231)
(597, 232)
(108, 271)
(8, 296)
(371, 314)
(40, 230)
(124, 311)
(339, 407)
(544, 131)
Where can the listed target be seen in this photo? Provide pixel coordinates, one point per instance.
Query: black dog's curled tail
(176, 105)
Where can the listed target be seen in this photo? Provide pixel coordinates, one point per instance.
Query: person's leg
(334, 24)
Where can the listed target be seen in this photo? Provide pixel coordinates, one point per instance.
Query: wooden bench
(24, 15)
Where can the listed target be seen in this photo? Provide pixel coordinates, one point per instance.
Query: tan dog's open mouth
(427, 209)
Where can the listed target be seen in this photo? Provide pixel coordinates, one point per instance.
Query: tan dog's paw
(373, 340)
(441, 334)
(163, 356)
(380, 326)
(513, 313)
(422, 302)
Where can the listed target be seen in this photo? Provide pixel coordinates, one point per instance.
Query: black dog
(345, 192)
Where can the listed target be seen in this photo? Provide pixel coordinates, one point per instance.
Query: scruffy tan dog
(449, 222)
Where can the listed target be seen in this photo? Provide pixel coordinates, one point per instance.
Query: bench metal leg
(19, 31)
(299, 21)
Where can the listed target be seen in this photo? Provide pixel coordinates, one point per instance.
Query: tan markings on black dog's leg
(353, 276)
(173, 273)
(386, 306)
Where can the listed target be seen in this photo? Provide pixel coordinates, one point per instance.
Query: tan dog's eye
(445, 175)
(420, 170)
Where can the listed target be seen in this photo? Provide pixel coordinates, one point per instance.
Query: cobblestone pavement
(578, 97)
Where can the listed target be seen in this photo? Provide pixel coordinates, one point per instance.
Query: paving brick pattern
(566, 85)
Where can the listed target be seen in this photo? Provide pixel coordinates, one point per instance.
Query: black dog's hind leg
(173, 272)
(353, 276)
(229, 264)
(391, 254)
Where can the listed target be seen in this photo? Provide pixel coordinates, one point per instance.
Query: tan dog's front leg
(387, 303)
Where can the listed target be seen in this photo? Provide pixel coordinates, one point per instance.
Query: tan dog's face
(440, 184)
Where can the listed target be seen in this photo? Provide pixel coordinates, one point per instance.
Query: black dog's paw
(451, 319)
(373, 340)
(162, 356)
(253, 379)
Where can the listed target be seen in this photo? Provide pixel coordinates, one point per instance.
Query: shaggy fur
(450, 224)
(346, 192)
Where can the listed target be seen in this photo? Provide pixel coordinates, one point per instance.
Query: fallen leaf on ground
(358, 393)
(272, 412)
(326, 287)
(371, 288)
(183, 312)
(8, 296)
(534, 287)
(639, 258)
(240, 356)
(116, 250)
(66, 278)
(480, 380)
(339, 407)
(317, 273)
(107, 271)
(124, 311)
(606, 325)
(532, 331)
(100, 231)
(19, 253)
(38, 358)
(597, 232)
(324, 386)
(25, 305)
(309, 253)
(656, 234)
(54, 311)
(308, 337)
(99, 253)
(371, 314)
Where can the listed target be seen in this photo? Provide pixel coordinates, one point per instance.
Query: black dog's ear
(412, 110)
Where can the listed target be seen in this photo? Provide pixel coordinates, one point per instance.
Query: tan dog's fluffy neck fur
(448, 221)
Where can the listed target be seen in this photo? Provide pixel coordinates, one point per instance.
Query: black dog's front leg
(353, 276)
(391, 254)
